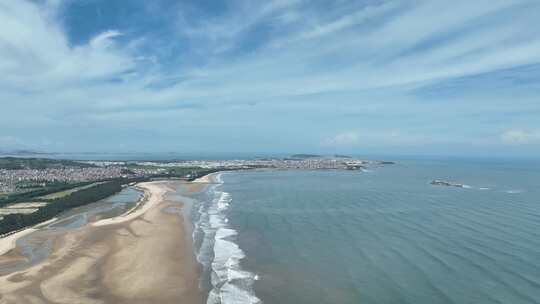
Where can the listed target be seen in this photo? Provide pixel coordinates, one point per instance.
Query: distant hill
(14, 163)
(342, 156)
(305, 156)
(22, 152)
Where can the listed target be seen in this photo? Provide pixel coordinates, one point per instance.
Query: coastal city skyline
(395, 77)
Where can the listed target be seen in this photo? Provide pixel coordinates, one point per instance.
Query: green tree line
(30, 195)
(12, 222)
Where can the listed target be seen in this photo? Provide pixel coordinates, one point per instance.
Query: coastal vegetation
(42, 189)
(86, 195)
(45, 200)
(187, 173)
(60, 194)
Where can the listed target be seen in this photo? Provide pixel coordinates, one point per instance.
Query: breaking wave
(514, 191)
(218, 252)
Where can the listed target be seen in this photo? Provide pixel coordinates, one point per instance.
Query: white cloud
(35, 53)
(320, 56)
(345, 47)
(344, 22)
(39, 56)
(350, 138)
(520, 137)
(104, 40)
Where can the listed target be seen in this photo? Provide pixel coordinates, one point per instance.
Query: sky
(358, 77)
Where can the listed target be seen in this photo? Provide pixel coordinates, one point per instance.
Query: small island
(446, 184)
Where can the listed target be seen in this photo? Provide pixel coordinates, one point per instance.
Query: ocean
(380, 236)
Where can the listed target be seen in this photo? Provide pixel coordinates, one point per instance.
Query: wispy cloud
(417, 67)
(520, 137)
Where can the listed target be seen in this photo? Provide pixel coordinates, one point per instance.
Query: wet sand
(145, 256)
(201, 182)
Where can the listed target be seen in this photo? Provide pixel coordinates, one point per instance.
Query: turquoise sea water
(383, 236)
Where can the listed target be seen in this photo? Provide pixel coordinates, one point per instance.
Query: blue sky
(362, 77)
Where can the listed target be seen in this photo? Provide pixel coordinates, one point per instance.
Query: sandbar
(144, 256)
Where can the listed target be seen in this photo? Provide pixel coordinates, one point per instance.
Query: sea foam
(219, 254)
(514, 191)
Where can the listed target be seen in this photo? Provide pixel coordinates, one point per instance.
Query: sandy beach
(206, 179)
(201, 182)
(143, 256)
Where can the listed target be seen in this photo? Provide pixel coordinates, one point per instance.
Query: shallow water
(109, 207)
(384, 236)
(223, 279)
(37, 246)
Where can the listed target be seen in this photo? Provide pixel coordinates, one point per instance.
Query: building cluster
(307, 163)
(19, 180)
(6, 186)
(313, 163)
(14, 180)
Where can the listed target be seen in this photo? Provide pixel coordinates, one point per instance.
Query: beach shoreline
(9, 241)
(141, 256)
(209, 178)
